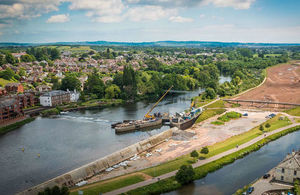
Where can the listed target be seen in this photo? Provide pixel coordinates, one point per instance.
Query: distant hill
(158, 43)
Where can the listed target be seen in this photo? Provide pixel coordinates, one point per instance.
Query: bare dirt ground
(282, 85)
(205, 134)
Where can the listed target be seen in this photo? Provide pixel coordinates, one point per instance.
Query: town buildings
(9, 109)
(54, 98)
(14, 88)
(289, 169)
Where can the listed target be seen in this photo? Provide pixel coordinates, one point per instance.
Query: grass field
(199, 102)
(209, 113)
(108, 185)
(3, 82)
(217, 104)
(294, 111)
(217, 123)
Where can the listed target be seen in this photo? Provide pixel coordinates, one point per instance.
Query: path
(199, 163)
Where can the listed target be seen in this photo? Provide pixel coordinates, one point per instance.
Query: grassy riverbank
(294, 111)
(109, 185)
(14, 126)
(171, 184)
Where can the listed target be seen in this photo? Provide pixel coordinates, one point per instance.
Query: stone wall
(82, 173)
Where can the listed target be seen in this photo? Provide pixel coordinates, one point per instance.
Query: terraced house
(9, 110)
(289, 169)
(54, 98)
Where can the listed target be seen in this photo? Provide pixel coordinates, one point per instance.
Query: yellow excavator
(147, 115)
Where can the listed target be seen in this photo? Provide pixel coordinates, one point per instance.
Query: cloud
(237, 4)
(202, 16)
(61, 18)
(148, 12)
(180, 19)
(24, 9)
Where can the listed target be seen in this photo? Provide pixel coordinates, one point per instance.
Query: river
(72, 140)
(230, 178)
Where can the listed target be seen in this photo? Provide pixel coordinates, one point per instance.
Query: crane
(147, 115)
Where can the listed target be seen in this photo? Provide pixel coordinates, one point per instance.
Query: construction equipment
(147, 115)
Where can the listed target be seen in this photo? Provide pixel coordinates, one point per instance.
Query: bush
(55, 191)
(204, 150)
(261, 127)
(229, 115)
(268, 125)
(194, 154)
(185, 174)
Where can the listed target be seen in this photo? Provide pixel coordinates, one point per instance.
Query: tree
(55, 191)
(268, 125)
(27, 58)
(7, 74)
(112, 91)
(185, 174)
(70, 82)
(261, 127)
(94, 85)
(204, 150)
(10, 58)
(2, 60)
(210, 93)
(194, 154)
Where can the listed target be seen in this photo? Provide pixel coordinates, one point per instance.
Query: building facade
(289, 169)
(14, 88)
(54, 98)
(9, 109)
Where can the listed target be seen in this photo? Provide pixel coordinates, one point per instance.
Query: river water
(243, 171)
(72, 140)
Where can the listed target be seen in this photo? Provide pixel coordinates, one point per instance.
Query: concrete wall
(91, 169)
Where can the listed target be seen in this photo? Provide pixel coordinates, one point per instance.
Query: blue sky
(275, 21)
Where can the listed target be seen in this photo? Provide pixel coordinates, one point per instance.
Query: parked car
(266, 176)
(245, 114)
(250, 190)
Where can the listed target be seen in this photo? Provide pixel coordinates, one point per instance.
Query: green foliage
(55, 191)
(297, 187)
(294, 111)
(261, 127)
(10, 58)
(229, 115)
(268, 125)
(209, 93)
(44, 53)
(129, 83)
(95, 85)
(194, 154)
(185, 174)
(209, 113)
(217, 123)
(7, 74)
(52, 111)
(70, 82)
(204, 150)
(112, 91)
(27, 58)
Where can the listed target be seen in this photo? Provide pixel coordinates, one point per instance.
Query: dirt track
(282, 85)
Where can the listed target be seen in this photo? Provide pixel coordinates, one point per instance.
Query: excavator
(147, 115)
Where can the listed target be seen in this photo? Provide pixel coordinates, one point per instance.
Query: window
(295, 173)
(282, 170)
(282, 178)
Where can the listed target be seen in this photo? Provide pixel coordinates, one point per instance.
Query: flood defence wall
(82, 173)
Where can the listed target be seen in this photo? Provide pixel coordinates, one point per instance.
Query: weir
(87, 171)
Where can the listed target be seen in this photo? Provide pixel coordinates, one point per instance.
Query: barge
(137, 125)
(184, 121)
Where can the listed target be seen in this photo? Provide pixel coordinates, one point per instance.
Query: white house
(74, 95)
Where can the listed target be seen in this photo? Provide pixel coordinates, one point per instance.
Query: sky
(42, 21)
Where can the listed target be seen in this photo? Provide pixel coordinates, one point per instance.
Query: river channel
(72, 140)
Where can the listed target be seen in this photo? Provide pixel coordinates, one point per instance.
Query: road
(199, 163)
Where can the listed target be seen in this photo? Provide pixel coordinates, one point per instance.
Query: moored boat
(137, 125)
(184, 121)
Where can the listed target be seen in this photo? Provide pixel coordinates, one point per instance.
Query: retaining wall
(71, 178)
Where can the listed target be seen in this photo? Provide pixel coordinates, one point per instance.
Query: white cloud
(180, 19)
(202, 16)
(23, 9)
(237, 4)
(61, 18)
(148, 12)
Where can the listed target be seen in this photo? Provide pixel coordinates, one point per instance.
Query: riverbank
(15, 125)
